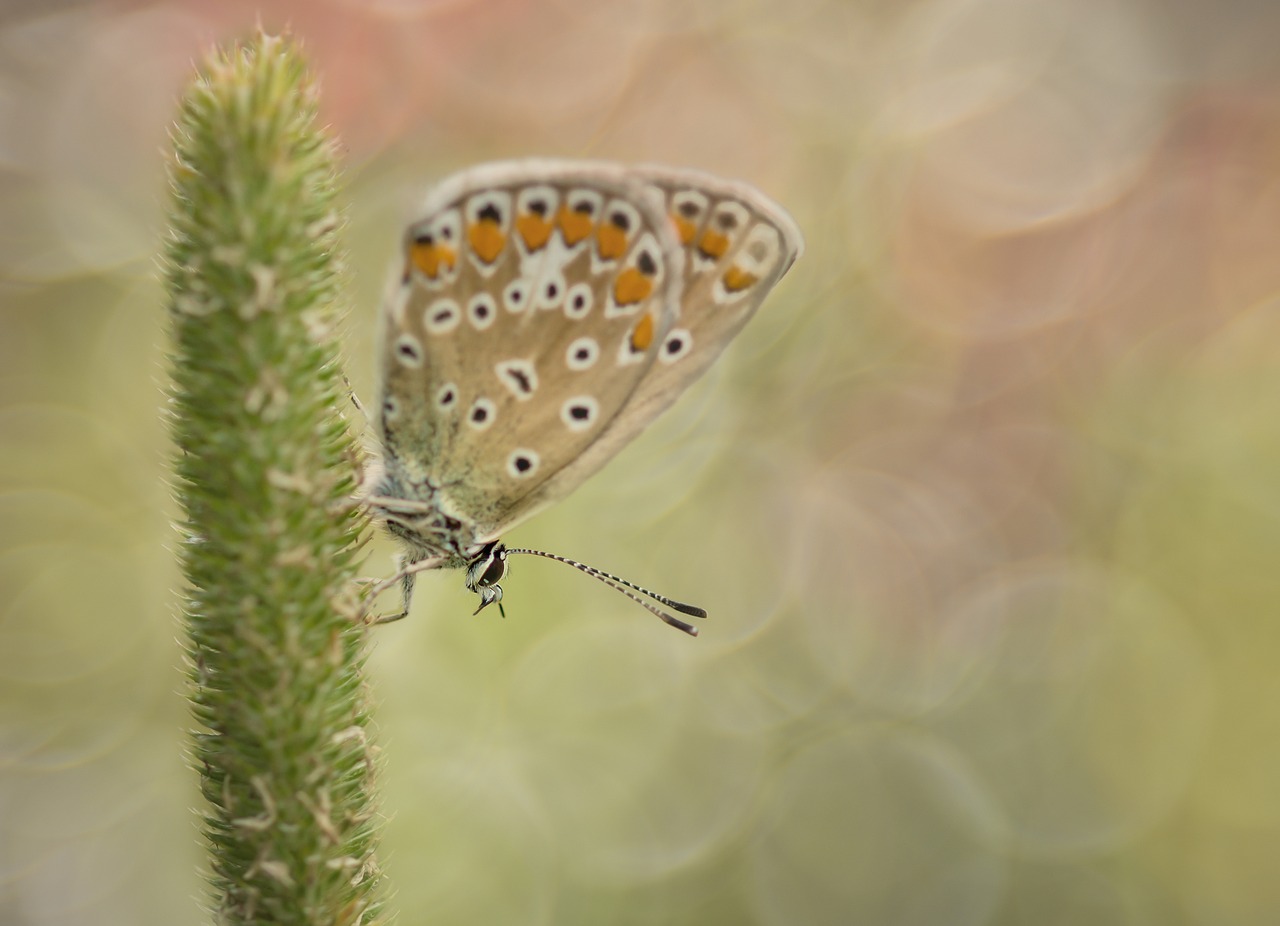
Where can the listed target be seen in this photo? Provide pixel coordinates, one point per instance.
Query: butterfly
(540, 314)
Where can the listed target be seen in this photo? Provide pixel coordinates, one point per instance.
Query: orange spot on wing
(574, 225)
(431, 259)
(684, 228)
(611, 241)
(534, 229)
(713, 244)
(631, 286)
(487, 240)
(736, 279)
(642, 334)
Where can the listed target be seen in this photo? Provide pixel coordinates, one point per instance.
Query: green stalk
(265, 476)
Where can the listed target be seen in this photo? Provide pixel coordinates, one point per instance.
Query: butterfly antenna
(618, 584)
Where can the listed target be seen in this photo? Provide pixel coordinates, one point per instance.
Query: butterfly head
(485, 571)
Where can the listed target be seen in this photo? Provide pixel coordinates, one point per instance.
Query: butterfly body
(541, 314)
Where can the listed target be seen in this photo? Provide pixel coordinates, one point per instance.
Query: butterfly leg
(355, 400)
(407, 581)
(407, 577)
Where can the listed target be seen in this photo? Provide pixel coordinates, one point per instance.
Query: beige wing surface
(531, 300)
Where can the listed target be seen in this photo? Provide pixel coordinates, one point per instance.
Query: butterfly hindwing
(736, 244)
(532, 301)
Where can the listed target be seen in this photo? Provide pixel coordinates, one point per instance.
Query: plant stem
(265, 475)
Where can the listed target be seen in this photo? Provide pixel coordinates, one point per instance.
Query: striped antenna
(618, 584)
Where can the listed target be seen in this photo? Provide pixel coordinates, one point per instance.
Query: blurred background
(985, 504)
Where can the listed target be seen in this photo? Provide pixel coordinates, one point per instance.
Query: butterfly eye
(487, 569)
(497, 569)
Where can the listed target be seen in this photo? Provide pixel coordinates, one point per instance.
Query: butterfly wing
(736, 244)
(531, 301)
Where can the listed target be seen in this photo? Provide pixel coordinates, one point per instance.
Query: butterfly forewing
(534, 299)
